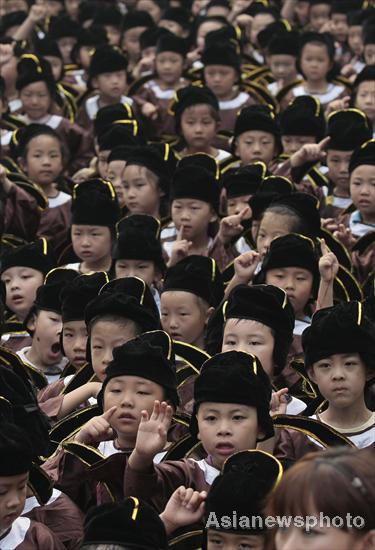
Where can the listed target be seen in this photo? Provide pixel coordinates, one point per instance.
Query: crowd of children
(187, 274)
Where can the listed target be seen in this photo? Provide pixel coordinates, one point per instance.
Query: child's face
(144, 269)
(103, 163)
(36, 100)
(365, 98)
(142, 193)
(91, 243)
(259, 23)
(315, 62)
(302, 9)
(362, 190)
(204, 29)
(272, 225)
(220, 79)
(216, 540)
(338, 166)
(193, 215)
(283, 67)
(297, 283)
(317, 539)
(54, 7)
(130, 43)
(226, 428)
(21, 284)
(12, 499)
(235, 205)
(369, 54)
(113, 35)
(66, 44)
(340, 26)
(43, 163)
(131, 395)
(250, 336)
(341, 379)
(115, 174)
(198, 127)
(255, 145)
(172, 26)
(183, 317)
(291, 144)
(84, 56)
(72, 8)
(104, 337)
(112, 85)
(319, 15)
(47, 327)
(355, 39)
(56, 66)
(74, 342)
(169, 67)
(151, 7)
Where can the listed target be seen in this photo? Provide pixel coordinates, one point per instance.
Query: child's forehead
(18, 269)
(200, 109)
(255, 134)
(127, 380)
(222, 407)
(178, 298)
(44, 141)
(236, 324)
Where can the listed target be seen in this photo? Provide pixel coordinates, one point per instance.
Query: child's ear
(311, 374)
(235, 150)
(209, 312)
(22, 163)
(31, 323)
(214, 216)
(94, 82)
(369, 374)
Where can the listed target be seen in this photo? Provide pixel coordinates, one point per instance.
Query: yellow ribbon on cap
(33, 58)
(135, 509)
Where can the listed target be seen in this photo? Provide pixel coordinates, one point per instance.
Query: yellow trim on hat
(136, 508)
(213, 270)
(350, 110)
(131, 122)
(33, 58)
(360, 313)
(224, 310)
(45, 246)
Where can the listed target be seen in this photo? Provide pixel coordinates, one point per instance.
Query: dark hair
(298, 224)
(109, 318)
(22, 137)
(320, 39)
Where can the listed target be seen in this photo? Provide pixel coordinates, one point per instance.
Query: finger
(155, 411)
(180, 233)
(107, 415)
(324, 142)
(245, 212)
(323, 247)
(144, 416)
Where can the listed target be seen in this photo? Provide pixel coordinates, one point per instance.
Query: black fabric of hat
(345, 6)
(150, 158)
(13, 19)
(171, 43)
(285, 43)
(138, 239)
(22, 136)
(273, 29)
(137, 18)
(77, 294)
(221, 54)
(15, 450)
(228, 34)
(245, 180)
(148, 356)
(48, 295)
(367, 74)
(38, 255)
(107, 59)
(62, 26)
(348, 129)
(198, 275)
(120, 153)
(193, 182)
(179, 15)
(132, 523)
(306, 207)
(149, 38)
(235, 377)
(108, 15)
(202, 160)
(292, 250)
(256, 117)
(117, 134)
(365, 154)
(47, 47)
(303, 117)
(271, 189)
(134, 286)
(95, 203)
(192, 95)
(246, 480)
(94, 36)
(168, 155)
(109, 114)
(339, 329)
(369, 34)
(31, 68)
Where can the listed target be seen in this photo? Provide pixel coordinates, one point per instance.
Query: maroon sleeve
(22, 214)
(39, 537)
(55, 224)
(50, 398)
(291, 445)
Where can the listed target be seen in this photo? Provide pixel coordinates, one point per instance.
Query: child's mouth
(56, 348)
(225, 448)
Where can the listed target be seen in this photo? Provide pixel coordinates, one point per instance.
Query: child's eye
(210, 418)
(238, 417)
(254, 343)
(301, 278)
(25, 276)
(324, 365)
(115, 390)
(229, 343)
(96, 346)
(143, 393)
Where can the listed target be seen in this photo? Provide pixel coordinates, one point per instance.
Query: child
(17, 531)
(348, 473)
(107, 74)
(116, 163)
(22, 271)
(231, 413)
(320, 11)
(256, 135)
(123, 134)
(37, 92)
(282, 53)
(95, 212)
(44, 324)
(156, 94)
(135, 23)
(88, 39)
(363, 92)
(40, 156)
(197, 118)
(177, 20)
(192, 289)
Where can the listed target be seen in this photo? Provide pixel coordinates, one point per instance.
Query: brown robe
(55, 224)
(30, 535)
(22, 215)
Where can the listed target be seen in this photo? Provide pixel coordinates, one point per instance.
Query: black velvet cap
(15, 450)
(38, 255)
(150, 37)
(367, 74)
(365, 154)
(32, 68)
(168, 155)
(120, 152)
(151, 158)
(171, 43)
(202, 160)
(256, 117)
(48, 47)
(107, 59)
(12, 19)
(198, 275)
(343, 328)
(303, 117)
(369, 34)
(137, 18)
(181, 16)
(273, 29)
(246, 480)
(133, 286)
(131, 523)
(221, 54)
(62, 26)
(192, 95)
(109, 114)
(235, 377)
(271, 188)
(306, 207)
(228, 34)
(348, 129)
(48, 295)
(194, 182)
(22, 136)
(78, 293)
(345, 6)
(138, 239)
(95, 203)
(94, 36)
(149, 356)
(245, 180)
(118, 135)
(108, 15)
(285, 43)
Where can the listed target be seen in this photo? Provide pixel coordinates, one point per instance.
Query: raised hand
(338, 105)
(152, 431)
(245, 266)
(328, 263)
(344, 235)
(150, 111)
(180, 248)
(310, 152)
(279, 402)
(185, 507)
(97, 429)
(230, 226)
